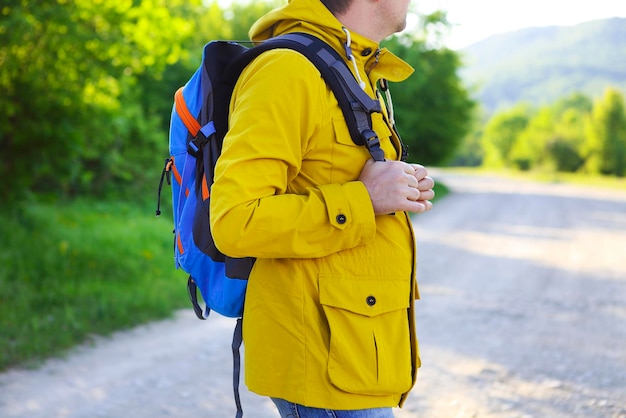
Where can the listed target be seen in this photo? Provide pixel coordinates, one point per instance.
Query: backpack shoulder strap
(356, 105)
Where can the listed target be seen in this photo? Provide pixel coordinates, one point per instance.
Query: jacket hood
(311, 16)
(292, 16)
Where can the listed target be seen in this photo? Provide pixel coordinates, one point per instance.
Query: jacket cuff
(349, 208)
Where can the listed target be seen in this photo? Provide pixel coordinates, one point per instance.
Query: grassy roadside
(599, 181)
(77, 269)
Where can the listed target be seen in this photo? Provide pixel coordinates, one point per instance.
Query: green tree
(68, 112)
(576, 101)
(433, 108)
(470, 153)
(88, 86)
(553, 136)
(209, 22)
(605, 150)
(528, 149)
(565, 148)
(501, 133)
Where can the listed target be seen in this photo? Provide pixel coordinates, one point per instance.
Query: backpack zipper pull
(167, 167)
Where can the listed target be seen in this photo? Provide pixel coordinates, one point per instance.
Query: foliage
(606, 146)
(501, 133)
(96, 267)
(433, 110)
(68, 115)
(572, 135)
(207, 23)
(470, 152)
(553, 137)
(529, 146)
(564, 148)
(88, 87)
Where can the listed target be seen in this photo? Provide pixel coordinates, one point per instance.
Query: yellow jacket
(328, 318)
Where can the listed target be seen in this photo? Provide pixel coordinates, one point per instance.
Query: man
(329, 320)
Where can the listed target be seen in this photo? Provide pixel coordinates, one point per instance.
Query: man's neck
(361, 18)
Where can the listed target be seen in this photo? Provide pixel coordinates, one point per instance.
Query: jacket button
(366, 52)
(341, 219)
(371, 300)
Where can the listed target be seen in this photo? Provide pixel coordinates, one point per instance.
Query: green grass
(73, 270)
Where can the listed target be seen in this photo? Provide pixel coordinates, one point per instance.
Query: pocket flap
(364, 295)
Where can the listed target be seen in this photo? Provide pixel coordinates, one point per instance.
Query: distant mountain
(540, 65)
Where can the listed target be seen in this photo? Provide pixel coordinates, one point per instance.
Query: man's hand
(397, 186)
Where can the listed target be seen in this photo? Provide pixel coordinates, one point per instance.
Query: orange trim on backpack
(179, 244)
(183, 112)
(205, 189)
(175, 171)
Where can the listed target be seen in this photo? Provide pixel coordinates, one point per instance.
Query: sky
(475, 20)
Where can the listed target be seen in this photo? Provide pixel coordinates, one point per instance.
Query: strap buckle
(194, 145)
(372, 143)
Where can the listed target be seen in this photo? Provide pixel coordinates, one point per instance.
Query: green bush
(564, 154)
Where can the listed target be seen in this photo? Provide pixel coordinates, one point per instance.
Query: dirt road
(523, 314)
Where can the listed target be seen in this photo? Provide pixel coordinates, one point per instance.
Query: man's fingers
(397, 186)
(427, 195)
(414, 194)
(419, 171)
(428, 205)
(413, 182)
(426, 183)
(408, 168)
(415, 206)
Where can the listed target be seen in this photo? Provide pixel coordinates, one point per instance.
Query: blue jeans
(292, 410)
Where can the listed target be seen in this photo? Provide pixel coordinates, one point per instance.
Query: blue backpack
(198, 125)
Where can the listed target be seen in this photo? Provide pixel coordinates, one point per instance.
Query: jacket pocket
(342, 134)
(348, 158)
(370, 346)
